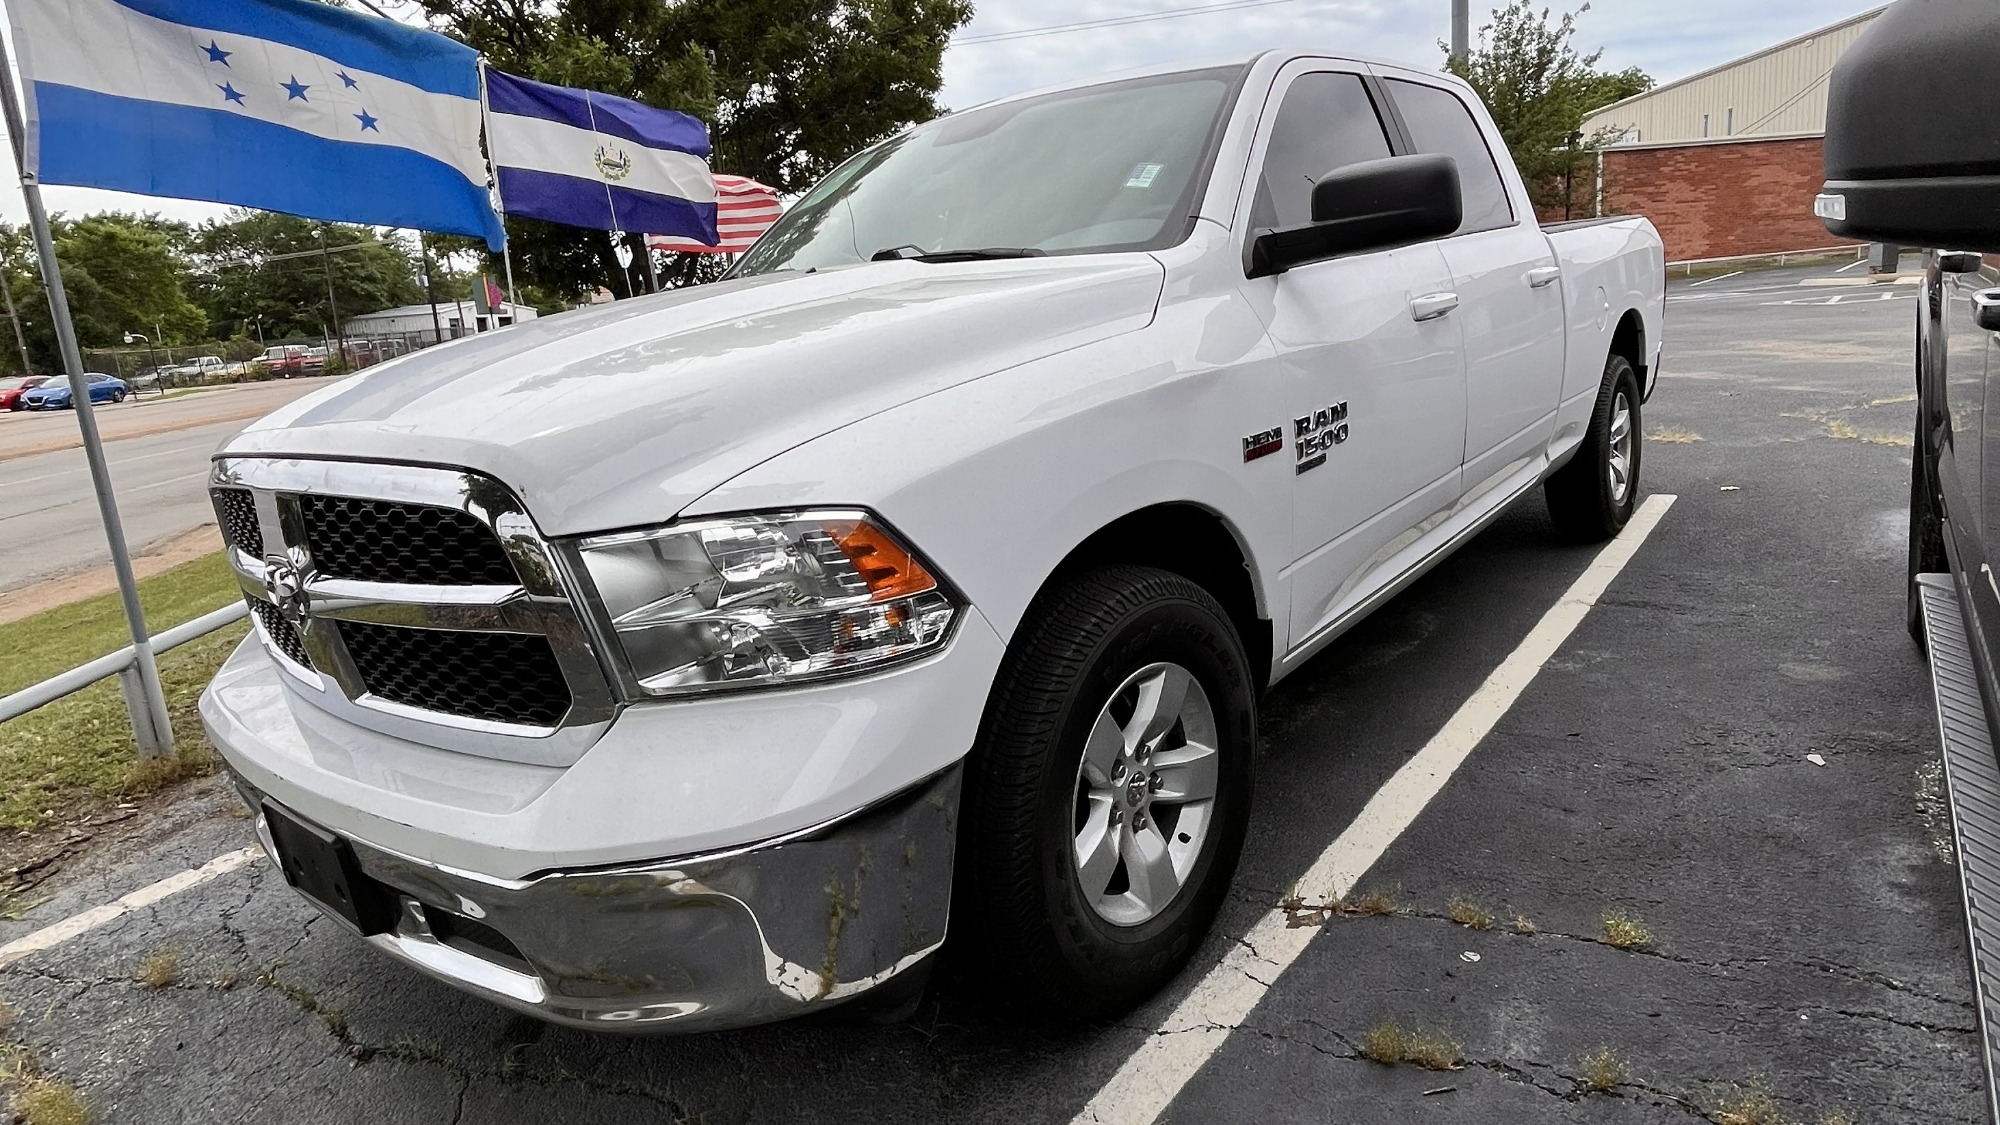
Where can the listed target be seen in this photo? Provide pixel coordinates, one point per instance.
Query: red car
(10, 389)
(286, 360)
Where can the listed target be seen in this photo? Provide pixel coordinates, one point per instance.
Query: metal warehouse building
(1727, 162)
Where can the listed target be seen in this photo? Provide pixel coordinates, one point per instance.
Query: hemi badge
(1264, 444)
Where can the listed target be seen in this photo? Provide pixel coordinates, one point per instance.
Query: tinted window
(1326, 122)
(1440, 123)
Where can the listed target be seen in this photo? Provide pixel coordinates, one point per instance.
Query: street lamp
(150, 357)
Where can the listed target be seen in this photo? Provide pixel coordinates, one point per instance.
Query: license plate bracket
(322, 866)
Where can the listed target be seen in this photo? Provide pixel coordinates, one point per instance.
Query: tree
(790, 88)
(123, 273)
(1539, 89)
(261, 267)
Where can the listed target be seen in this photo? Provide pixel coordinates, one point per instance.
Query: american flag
(745, 209)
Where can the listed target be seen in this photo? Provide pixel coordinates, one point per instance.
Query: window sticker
(1143, 175)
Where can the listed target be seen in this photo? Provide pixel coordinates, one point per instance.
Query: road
(1806, 931)
(158, 452)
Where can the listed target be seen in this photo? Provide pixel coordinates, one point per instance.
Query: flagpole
(500, 202)
(147, 705)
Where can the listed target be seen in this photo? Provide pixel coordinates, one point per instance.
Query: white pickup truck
(689, 662)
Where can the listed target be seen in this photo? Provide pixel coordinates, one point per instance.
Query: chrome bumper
(752, 935)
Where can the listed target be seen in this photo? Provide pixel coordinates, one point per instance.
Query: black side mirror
(1913, 155)
(1374, 205)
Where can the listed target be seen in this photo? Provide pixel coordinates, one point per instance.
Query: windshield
(1111, 167)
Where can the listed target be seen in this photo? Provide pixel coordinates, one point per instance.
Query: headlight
(755, 601)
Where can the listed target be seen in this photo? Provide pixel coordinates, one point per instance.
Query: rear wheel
(1591, 497)
(117, 396)
(1926, 531)
(1107, 797)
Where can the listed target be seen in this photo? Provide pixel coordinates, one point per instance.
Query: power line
(1113, 21)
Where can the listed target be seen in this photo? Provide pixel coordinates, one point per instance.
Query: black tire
(117, 397)
(1041, 949)
(1926, 531)
(1583, 503)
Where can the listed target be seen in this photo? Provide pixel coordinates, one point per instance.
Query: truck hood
(621, 415)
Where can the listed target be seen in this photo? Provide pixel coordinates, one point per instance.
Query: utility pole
(1461, 30)
(332, 310)
(20, 341)
(430, 289)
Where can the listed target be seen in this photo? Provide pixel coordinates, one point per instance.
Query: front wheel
(1108, 794)
(117, 397)
(1591, 497)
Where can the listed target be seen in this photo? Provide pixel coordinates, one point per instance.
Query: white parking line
(1852, 264)
(1163, 1064)
(1707, 280)
(76, 925)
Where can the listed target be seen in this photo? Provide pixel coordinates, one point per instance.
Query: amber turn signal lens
(890, 570)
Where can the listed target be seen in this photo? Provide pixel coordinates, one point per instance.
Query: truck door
(1509, 292)
(1372, 387)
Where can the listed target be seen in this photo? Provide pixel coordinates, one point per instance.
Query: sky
(1667, 40)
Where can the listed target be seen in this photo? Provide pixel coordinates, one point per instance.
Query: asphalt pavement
(158, 451)
(1735, 750)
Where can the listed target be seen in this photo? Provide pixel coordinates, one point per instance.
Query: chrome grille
(283, 636)
(380, 541)
(498, 677)
(420, 602)
(236, 511)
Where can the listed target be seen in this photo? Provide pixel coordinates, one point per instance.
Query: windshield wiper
(987, 253)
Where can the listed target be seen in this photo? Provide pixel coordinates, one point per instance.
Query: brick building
(1727, 162)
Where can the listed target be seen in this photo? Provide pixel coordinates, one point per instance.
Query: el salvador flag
(286, 105)
(594, 160)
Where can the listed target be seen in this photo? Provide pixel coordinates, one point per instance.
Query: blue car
(55, 394)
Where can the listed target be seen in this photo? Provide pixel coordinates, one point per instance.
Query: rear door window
(1326, 121)
(1440, 123)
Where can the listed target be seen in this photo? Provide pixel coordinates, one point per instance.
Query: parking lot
(1735, 751)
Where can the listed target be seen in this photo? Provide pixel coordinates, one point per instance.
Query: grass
(1625, 931)
(38, 1099)
(1376, 903)
(1523, 926)
(160, 970)
(76, 755)
(1602, 1071)
(1390, 1043)
(1751, 1106)
(1468, 913)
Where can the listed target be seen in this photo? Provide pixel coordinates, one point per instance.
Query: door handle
(1430, 306)
(1543, 276)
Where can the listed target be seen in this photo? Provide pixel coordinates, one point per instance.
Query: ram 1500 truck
(704, 659)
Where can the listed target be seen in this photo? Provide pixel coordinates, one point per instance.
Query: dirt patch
(54, 445)
(30, 860)
(159, 557)
(1811, 351)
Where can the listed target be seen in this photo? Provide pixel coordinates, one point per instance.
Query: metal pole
(430, 290)
(332, 310)
(1461, 30)
(20, 341)
(145, 700)
(499, 203)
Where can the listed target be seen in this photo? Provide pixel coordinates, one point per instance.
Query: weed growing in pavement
(36, 1098)
(1625, 931)
(1602, 1070)
(1468, 913)
(8, 1017)
(1753, 1105)
(1389, 1043)
(159, 970)
(223, 983)
(1522, 925)
(1836, 1117)
(1673, 435)
(1379, 902)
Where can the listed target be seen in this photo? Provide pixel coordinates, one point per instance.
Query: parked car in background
(285, 360)
(56, 395)
(197, 369)
(315, 361)
(13, 388)
(598, 663)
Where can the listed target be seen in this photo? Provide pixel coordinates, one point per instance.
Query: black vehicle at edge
(1913, 160)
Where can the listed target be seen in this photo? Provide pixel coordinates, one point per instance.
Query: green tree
(261, 269)
(123, 275)
(1539, 89)
(790, 88)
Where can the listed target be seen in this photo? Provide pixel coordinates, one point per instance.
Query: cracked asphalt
(1806, 935)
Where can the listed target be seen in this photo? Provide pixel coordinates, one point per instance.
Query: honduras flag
(593, 160)
(287, 105)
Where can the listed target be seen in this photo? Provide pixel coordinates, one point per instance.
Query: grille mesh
(237, 510)
(379, 541)
(281, 632)
(499, 677)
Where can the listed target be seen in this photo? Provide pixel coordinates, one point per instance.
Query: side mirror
(1374, 205)
(1959, 261)
(1912, 157)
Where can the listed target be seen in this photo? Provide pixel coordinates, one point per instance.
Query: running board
(1972, 777)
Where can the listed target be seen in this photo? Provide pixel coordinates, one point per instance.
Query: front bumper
(745, 936)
